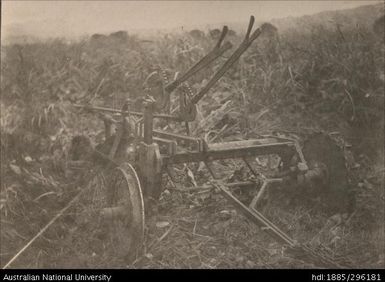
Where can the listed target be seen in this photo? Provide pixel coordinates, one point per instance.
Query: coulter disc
(321, 150)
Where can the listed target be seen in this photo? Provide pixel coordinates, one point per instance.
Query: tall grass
(324, 79)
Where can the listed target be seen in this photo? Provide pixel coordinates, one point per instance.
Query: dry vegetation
(304, 82)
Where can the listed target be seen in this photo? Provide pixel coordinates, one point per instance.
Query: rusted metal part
(172, 174)
(116, 111)
(148, 122)
(187, 110)
(154, 87)
(211, 170)
(171, 145)
(187, 105)
(249, 166)
(193, 143)
(233, 58)
(159, 78)
(328, 174)
(264, 187)
(108, 121)
(232, 185)
(230, 150)
(135, 219)
(120, 132)
(204, 62)
(255, 216)
(248, 143)
(150, 169)
(112, 213)
(270, 228)
(317, 174)
(222, 37)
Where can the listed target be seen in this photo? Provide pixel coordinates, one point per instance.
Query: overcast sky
(95, 16)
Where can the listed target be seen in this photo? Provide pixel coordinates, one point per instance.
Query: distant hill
(362, 16)
(40, 30)
(31, 31)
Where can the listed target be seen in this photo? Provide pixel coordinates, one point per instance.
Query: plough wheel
(111, 218)
(125, 211)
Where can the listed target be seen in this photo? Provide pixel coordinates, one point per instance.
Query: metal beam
(234, 150)
(256, 217)
(116, 111)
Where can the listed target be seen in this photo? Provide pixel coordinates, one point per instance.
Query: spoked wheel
(110, 218)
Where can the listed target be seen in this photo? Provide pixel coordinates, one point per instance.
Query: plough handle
(251, 23)
(233, 58)
(223, 34)
(204, 62)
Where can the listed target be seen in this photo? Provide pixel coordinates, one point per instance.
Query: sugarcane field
(192, 135)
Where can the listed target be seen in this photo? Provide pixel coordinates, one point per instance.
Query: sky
(99, 16)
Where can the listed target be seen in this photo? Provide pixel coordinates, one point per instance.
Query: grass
(319, 80)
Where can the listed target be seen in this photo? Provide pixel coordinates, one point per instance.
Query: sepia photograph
(192, 135)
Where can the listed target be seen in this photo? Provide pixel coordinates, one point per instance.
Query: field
(297, 83)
